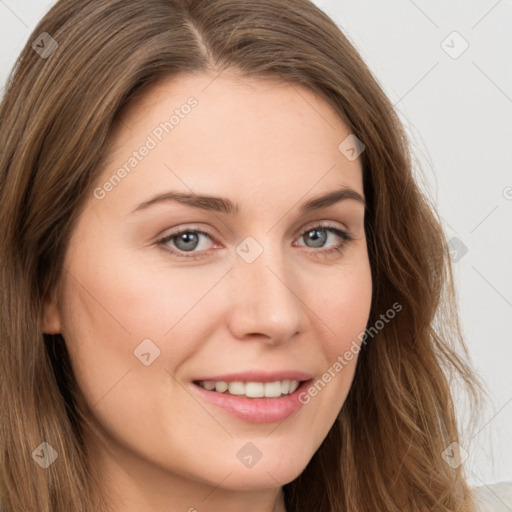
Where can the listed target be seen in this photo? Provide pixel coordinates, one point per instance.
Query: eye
(318, 235)
(188, 240)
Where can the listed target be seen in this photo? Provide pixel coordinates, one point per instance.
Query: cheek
(103, 327)
(111, 308)
(99, 347)
(343, 311)
(344, 306)
(148, 297)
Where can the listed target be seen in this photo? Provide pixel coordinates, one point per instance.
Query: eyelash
(344, 235)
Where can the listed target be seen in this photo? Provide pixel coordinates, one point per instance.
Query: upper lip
(258, 376)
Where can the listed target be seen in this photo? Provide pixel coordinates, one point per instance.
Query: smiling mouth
(251, 389)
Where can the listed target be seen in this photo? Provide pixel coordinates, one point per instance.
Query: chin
(277, 469)
(266, 477)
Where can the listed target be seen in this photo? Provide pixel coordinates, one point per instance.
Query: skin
(268, 147)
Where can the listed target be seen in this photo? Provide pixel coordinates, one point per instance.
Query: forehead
(257, 138)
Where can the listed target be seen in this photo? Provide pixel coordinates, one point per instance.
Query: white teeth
(273, 389)
(221, 386)
(209, 385)
(236, 388)
(252, 389)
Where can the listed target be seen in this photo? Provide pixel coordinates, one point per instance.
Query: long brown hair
(384, 452)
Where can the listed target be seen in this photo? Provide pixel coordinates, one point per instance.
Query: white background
(458, 112)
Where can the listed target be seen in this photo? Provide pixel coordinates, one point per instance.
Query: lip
(259, 376)
(254, 410)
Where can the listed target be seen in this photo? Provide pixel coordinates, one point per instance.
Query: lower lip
(255, 410)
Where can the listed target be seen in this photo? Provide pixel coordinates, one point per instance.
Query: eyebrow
(223, 205)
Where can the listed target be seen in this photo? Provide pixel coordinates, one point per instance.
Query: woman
(223, 289)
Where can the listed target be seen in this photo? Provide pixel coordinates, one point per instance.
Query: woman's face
(262, 296)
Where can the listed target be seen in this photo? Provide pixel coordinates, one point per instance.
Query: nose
(265, 300)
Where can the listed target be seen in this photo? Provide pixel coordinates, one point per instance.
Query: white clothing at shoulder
(494, 497)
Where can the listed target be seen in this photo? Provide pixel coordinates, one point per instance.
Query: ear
(51, 317)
